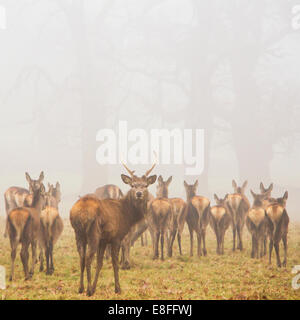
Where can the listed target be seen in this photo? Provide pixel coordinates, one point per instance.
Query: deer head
(162, 187)
(139, 185)
(190, 189)
(48, 195)
(258, 198)
(282, 200)
(237, 189)
(35, 185)
(266, 190)
(220, 201)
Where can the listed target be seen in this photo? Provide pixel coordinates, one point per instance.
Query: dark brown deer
(109, 191)
(178, 217)
(278, 222)
(197, 216)
(256, 223)
(220, 220)
(50, 230)
(98, 223)
(24, 228)
(238, 206)
(16, 197)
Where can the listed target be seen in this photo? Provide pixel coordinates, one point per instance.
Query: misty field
(232, 276)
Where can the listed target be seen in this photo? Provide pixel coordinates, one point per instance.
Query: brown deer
(257, 225)
(197, 216)
(178, 217)
(50, 230)
(109, 191)
(238, 206)
(98, 223)
(55, 196)
(160, 217)
(277, 227)
(220, 220)
(24, 228)
(16, 197)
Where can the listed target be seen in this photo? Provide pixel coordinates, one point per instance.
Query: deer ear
(49, 185)
(234, 184)
(57, 186)
(244, 185)
(185, 184)
(169, 180)
(216, 197)
(196, 184)
(151, 180)
(286, 194)
(262, 188)
(41, 178)
(253, 194)
(27, 177)
(160, 179)
(126, 179)
(271, 187)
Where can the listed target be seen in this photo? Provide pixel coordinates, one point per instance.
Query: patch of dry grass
(232, 276)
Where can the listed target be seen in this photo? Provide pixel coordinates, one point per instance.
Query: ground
(231, 276)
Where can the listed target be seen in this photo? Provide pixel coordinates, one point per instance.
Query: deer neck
(37, 201)
(162, 193)
(136, 209)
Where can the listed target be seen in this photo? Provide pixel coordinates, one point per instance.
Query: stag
(98, 223)
(220, 221)
(197, 216)
(16, 197)
(238, 206)
(24, 228)
(277, 227)
(257, 225)
(51, 229)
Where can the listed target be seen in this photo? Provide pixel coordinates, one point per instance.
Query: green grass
(232, 276)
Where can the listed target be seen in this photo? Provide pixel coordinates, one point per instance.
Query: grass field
(232, 276)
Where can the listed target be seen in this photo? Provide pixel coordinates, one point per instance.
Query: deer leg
(284, 239)
(6, 228)
(41, 259)
(47, 251)
(126, 254)
(253, 247)
(81, 248)
(170, 249)
(239, 236)
(100, 257)
(162, 240)
(142, 240)
(114, 255)
(51, 257)
(222, 242)
(156, 244)
(34, 257)
(191, 241)
(24, 258)
(271, 244)
(265, 245)
(203, 234)
(14, 245)
(146, 238)
(276, 246)
(233, 236)
(179, 243)
(199, 251)
(93, 246)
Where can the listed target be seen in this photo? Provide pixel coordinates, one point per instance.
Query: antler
(130, 171)
(149, 171)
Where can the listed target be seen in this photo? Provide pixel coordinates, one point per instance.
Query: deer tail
(17, 226)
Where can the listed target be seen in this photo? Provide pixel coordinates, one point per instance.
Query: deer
(109, 191)
(160, 217)
(55, 196)
(177, 218)
(238, 206)
(51, 229)
(98, 223)
(24, 228)
(257, 224)
(277, 227)
(17, 197)
(197, 217)
(220, 221)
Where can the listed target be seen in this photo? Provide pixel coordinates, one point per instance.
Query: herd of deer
(107, 219)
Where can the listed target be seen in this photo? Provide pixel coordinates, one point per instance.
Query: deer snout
(139, 194)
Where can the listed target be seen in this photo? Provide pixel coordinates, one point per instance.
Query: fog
(72, 67)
